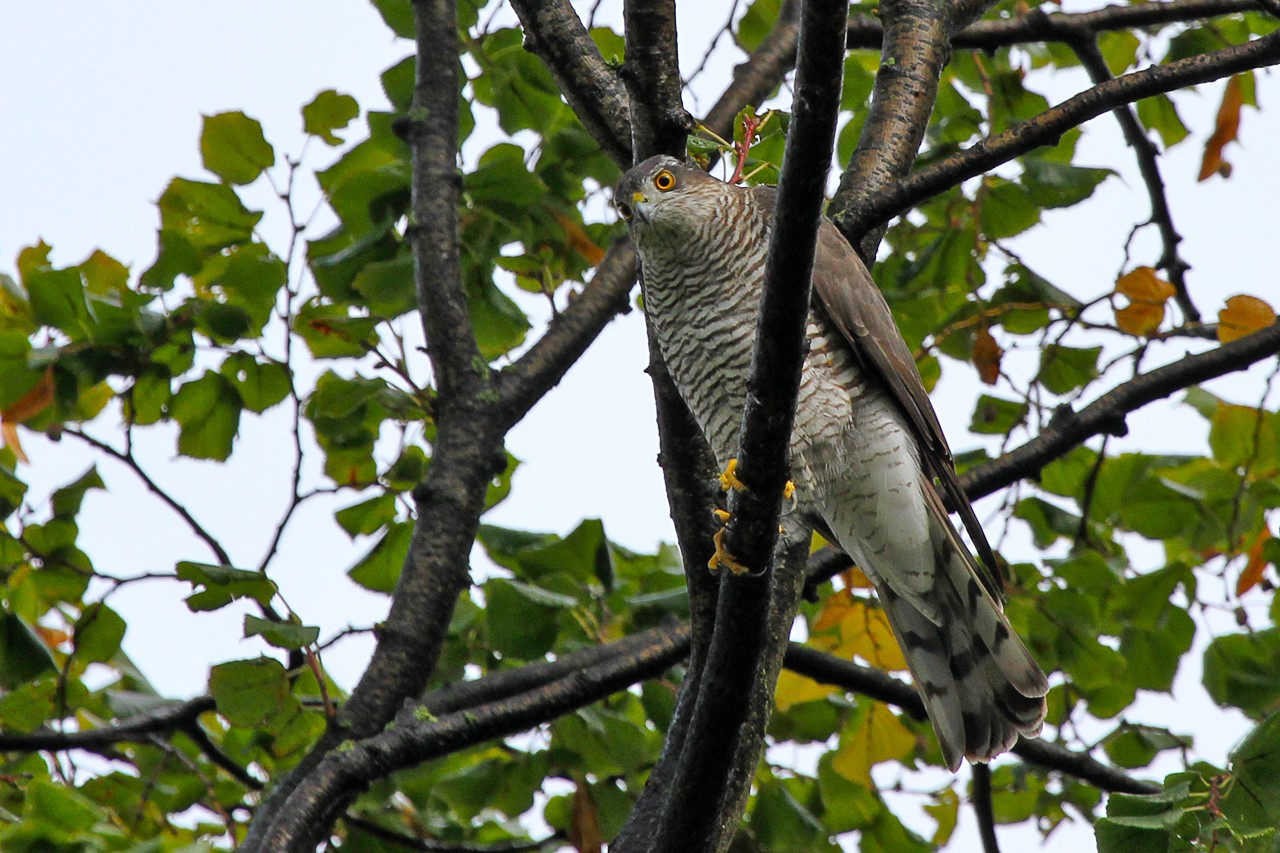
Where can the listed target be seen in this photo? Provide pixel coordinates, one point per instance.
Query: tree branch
(912, 56)
(1046, 128)
(659, 123)
(1106, 414)
(409, 842)
(826, 669)
(305, 818)
(163, 720)
(555, 33)
(1086, 49)
(983, 809)
(866, 32)
(754, 613)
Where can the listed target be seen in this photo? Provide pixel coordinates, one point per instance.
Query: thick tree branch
(1086, 49)
(163, 720)
(912, 56)
(866, 32)
(409, 842)
(1048, 127)
(555, 33)
(540, 369)
(466, 452)
(733, 699)
(659, 123)
(311, 809)
(1106, 414)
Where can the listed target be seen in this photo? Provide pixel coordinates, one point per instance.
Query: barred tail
(980, 685)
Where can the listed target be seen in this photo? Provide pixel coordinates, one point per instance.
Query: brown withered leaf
(1254, 565)
(1147, 293)
(1243, 315)
(578, 240)
(585, 834)
(986, 356)
(1225, 128)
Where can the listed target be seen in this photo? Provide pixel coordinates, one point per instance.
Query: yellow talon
(789, 490)
(729, 480)
(721, 515)
(723, 558)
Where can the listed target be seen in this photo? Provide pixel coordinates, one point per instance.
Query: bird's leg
(729, 482)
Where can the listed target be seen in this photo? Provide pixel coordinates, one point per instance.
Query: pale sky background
(104, 103)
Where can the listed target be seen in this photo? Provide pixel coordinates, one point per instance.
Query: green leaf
(282, 635)
(327, 112)
(993, 416)
(98, 633)
(379, 570)
(1253, 801)
(54, 817)
(1007, 209)
(1243, 670)
(398, 15)
(368, 516)
(260, 384)
(1242, 436)
(1161, 115)
(398, 83)
(175, 256)
(522, 619)
(250, 692)
(331, 332)
(1064, 369)
(208, 217)
(57, 297)
(233, 147)
(387, 287)
(223, 585)
(67, 500)
(1052, 184)
(757, 23)
(208, 410)
(23, 656)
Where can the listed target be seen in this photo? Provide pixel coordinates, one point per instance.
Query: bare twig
(1086, 49)
(983, 809)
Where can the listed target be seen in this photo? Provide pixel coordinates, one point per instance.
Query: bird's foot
(729, 479)
(722, 557)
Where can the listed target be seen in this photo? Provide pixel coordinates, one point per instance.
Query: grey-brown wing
(845, 290)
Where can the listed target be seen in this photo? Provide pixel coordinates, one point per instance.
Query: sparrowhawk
(868, 457)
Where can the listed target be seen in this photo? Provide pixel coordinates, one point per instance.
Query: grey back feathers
(866, 448)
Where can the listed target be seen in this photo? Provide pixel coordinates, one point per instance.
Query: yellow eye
(664, 181)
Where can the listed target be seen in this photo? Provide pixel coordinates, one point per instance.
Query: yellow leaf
(796, 689)
(1225, 128)
(880, 736)
(1254, 565)
(1147, 294)
(849, 626)
(1243, 315)
(986, 356)
(855, 578)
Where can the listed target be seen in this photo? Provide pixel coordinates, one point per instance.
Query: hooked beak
(641, 207)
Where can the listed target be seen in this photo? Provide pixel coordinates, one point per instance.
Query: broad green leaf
(1053, 184)
(251, 692)
(223, 585)
(327, 112)
(1161, 115)
(206, 216)
(22, 655)
(57, 295)
(67, 500)
(1253, 800)
(1064, 369)
(331, 332)
(1243, 670)
(522, 619)
(233, 147)
(260, 384)
(379, 569)
(282, 635)
(208, 410)
(994, 416)
(368, 516)
(98, 633)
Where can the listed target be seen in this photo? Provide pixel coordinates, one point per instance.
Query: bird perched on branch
(868, 458)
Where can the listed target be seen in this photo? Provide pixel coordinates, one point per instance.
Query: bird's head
(664, 192)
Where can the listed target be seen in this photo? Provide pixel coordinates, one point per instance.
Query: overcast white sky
(103, 104)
